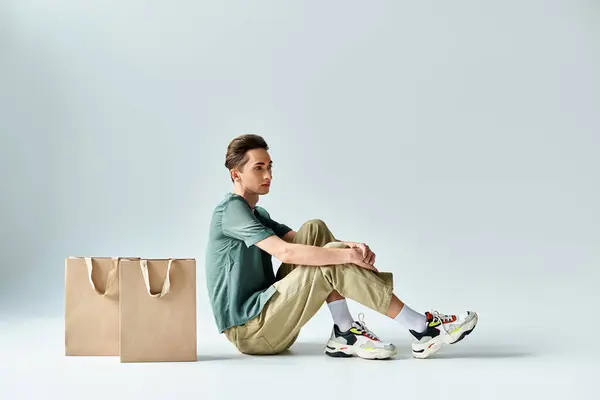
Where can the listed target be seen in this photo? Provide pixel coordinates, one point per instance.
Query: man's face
(257, 175)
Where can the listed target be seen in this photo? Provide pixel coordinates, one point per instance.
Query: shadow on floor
(316, 349)
(215, 357)
(448, 352)
(481, 353)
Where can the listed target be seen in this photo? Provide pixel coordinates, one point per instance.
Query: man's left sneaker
(360, 341)
(442, 329)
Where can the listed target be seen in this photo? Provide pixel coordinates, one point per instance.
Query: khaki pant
(302, 290)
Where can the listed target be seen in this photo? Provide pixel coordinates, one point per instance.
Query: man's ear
(235, 175)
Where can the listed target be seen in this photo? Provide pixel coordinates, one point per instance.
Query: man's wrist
(348, 256)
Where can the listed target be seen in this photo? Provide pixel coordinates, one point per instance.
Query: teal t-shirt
(239, 275)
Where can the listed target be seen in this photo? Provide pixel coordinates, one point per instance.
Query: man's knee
(314, 232)
(317, 223)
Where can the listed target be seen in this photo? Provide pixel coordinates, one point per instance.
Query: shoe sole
(435, 344)
(344, 351)
(333, 352)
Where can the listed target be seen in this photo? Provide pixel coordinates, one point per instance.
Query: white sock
(411, 319)
(341, 315)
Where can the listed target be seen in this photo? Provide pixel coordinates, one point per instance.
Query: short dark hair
(236, 151)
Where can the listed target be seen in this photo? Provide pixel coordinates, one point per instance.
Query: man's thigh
(299, 297)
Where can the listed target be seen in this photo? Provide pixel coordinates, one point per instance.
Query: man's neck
(252, 199)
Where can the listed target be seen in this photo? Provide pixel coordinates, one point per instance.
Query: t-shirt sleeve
(279, 229)
(240, 223)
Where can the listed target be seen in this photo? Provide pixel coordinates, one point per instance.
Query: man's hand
(368, 255)
(362, 255)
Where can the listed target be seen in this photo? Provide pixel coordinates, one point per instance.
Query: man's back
(239, 275)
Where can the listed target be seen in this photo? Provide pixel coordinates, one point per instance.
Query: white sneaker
(360, 341)
(442, 329)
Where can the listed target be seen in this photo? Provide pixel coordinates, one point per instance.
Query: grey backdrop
(459, 140)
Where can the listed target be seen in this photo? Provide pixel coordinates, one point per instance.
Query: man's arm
(300, 254)
(289, 237)
(369, 256)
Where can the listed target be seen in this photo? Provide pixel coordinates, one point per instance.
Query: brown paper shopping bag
(157, 310)
(91, 306)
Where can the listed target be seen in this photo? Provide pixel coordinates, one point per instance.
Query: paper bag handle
(166, 284)
(110, 280)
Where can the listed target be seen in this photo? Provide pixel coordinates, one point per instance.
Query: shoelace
(363, 325)
(442, 317)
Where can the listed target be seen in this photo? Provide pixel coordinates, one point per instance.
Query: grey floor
(490, 364)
